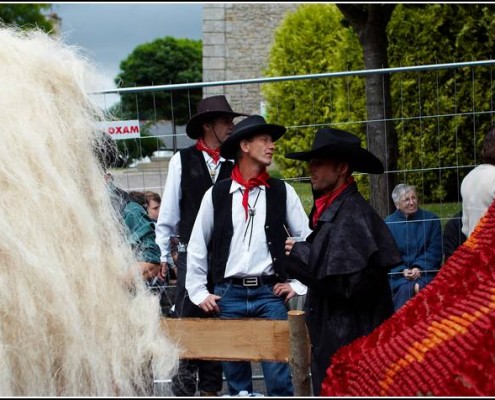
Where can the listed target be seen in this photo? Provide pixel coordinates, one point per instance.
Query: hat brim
(194, 125)
(361, 160)
(229, 148)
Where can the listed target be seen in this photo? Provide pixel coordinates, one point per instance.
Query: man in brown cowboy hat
(345, 261)
(191, 172)
(239, 232)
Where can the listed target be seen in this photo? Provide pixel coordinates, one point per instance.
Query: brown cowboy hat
(208, 109)
(341, 145)
(250, 126)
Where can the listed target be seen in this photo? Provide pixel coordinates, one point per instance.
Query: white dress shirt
(478, 193)
(248, 254)
(169, 214)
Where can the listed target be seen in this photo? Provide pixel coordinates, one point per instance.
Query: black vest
(276, 208)
(195, 181)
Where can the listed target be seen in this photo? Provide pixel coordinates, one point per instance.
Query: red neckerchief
(253, 182)
(214, 153)
(323, 202)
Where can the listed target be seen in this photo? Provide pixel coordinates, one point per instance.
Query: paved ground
(140, 180)
(163, 389)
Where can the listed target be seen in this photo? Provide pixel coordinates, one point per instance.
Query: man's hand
(284, 290)
(163, 270)
(209, 305)
(149, 270)
(412, 274)
(289, 243)
(415, 273)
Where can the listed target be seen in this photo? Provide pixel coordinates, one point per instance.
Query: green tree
(27, 16)
(310, 40)
(437, 111)
(370, 23)
(164, 61)
(316, 38)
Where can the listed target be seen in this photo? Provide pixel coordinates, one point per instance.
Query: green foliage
(135, 149)
(441, 116)
(436, 126)
(26, 16)
(303, 189)
(312, 40)
(164, 61)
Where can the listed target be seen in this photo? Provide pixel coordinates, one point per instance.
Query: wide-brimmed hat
(250, 126)
(208, 109)
(341, 145)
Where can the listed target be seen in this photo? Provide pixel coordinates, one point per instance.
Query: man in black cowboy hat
(346, 259)
(239, 232)
(191, 172)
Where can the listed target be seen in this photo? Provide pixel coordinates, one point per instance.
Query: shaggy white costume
(68, 325)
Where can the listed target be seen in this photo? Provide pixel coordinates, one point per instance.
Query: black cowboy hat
(250, 126)
(208, 109)
(341, 145)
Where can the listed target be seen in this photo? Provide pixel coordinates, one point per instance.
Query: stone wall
(236, 42)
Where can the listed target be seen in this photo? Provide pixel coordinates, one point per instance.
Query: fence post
(300, 353)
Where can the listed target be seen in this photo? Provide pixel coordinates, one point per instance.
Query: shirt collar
(237, 186)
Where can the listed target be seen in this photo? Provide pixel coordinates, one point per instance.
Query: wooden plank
(230, 339)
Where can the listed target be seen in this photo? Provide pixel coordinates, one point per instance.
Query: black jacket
(344, 263)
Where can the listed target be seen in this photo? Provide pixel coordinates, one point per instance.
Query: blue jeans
(254, 302)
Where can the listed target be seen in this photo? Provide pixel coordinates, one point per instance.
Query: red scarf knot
(213, 153)
(324, 201)
(259, 180)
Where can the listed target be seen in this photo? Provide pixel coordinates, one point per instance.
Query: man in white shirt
(478, 186)
(191, 172)
(240, 230)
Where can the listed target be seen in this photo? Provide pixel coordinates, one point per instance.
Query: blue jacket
(419, 239)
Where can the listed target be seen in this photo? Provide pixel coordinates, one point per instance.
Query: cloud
(108, 33)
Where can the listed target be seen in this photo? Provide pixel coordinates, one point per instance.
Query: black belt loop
(252, 281)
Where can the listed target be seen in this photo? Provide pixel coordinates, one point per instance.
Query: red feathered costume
(440, 343)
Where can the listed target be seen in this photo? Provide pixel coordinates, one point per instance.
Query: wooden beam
(230, 339)
(246, 340)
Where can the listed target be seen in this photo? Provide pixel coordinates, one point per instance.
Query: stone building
(236, 42)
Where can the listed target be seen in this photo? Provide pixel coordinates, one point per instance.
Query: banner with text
(121, 129)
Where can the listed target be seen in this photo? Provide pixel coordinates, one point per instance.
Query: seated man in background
(418, 234)
(153, 201)
(138, 197)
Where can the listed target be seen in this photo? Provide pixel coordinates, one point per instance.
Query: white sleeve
(197, 251)
(298, 226)
(169, 214)
(296, 215)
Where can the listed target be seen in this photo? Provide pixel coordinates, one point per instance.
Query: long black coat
(344, 263)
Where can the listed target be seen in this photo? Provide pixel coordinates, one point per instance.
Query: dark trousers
(205, 376)
(402, 293)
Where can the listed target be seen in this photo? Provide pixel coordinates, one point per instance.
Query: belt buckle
(181, 247)
(250, 281)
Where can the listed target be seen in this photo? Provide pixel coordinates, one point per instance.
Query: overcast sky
(109, 32)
